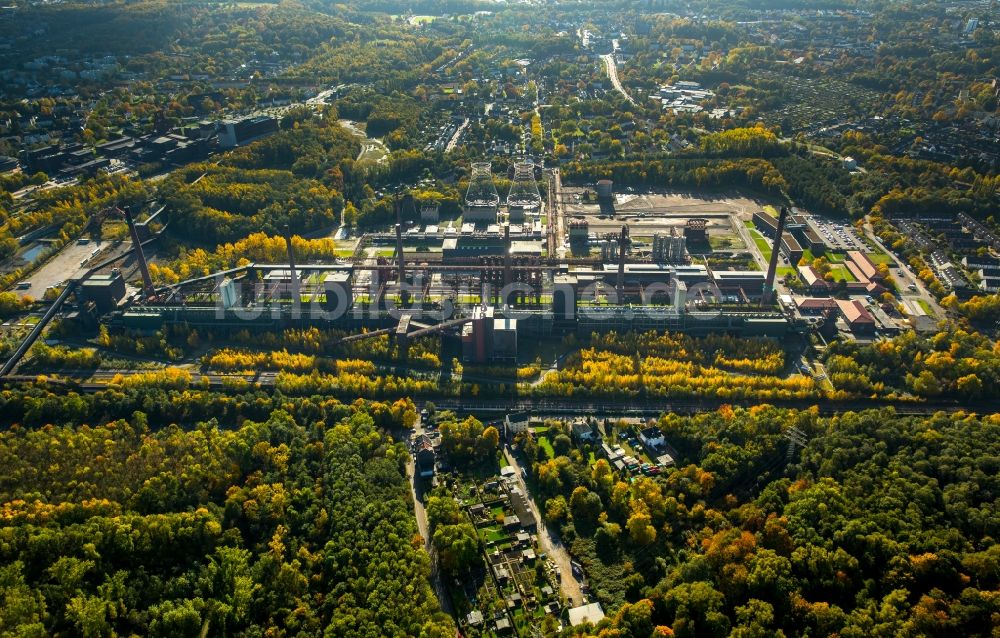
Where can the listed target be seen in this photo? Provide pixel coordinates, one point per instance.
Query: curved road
(609, 65)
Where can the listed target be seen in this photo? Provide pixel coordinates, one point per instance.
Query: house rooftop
(591, 613)
(855, 313)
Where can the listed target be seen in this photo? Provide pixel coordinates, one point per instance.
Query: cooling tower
(481, 201)
(482, 191)
(524, 190)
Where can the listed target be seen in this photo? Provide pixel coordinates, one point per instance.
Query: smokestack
(147, 281)
(506, 256)
(291, 263)
(772, 267)
(623, 244)
(400, 257)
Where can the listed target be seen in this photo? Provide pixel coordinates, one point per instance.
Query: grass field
(880, 257)
(763, 244)
(545, 444)
(841, 272)
(727, 242)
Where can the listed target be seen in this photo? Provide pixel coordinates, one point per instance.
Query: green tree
(457, 546)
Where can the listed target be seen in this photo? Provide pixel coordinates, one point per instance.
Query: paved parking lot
(839, 235)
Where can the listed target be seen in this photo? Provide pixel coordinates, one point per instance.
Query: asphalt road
(908, 277)
(609, 64)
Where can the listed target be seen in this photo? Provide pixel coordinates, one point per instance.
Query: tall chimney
(623, 244)
(506, 262)
(147, 281)
(772, 268)
(291, 263)
(400, 257)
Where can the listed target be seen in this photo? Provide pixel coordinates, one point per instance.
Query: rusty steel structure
(147, 280)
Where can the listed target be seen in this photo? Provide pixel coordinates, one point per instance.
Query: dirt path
(549, 541)
(371, 148)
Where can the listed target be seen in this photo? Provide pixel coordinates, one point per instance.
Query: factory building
(799, 227)
(579, 230)
(482, 202)
(695, 230)
(565, 292)
(480, 214)
(477, 336)
(812, 280)
(106, 291)
(857, 317)
(751, 282)
(605, 189)
(606, 196)
(472, 246)
(866, 267)
(488, 337)
(524, 196)
(505, 339)
(235, 132)
(669, 249)
(337, 286)
(768, 227)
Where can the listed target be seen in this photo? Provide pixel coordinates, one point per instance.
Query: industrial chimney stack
(772, 268)
(623, 244)
(291, 264)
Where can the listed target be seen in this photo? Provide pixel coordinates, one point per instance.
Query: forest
(881, 525)
(296, 524)
(753, 173)
(293, 177)
(954, 363)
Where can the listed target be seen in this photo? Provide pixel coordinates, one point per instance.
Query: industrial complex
(507, 269)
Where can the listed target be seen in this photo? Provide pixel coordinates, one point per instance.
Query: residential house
(652, 438)
(424, 457)
(582, 432)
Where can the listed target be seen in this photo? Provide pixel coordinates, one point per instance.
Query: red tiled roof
(858, 272)
(817, 303)
(863, 262)
(809, 275)
(855, 313)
